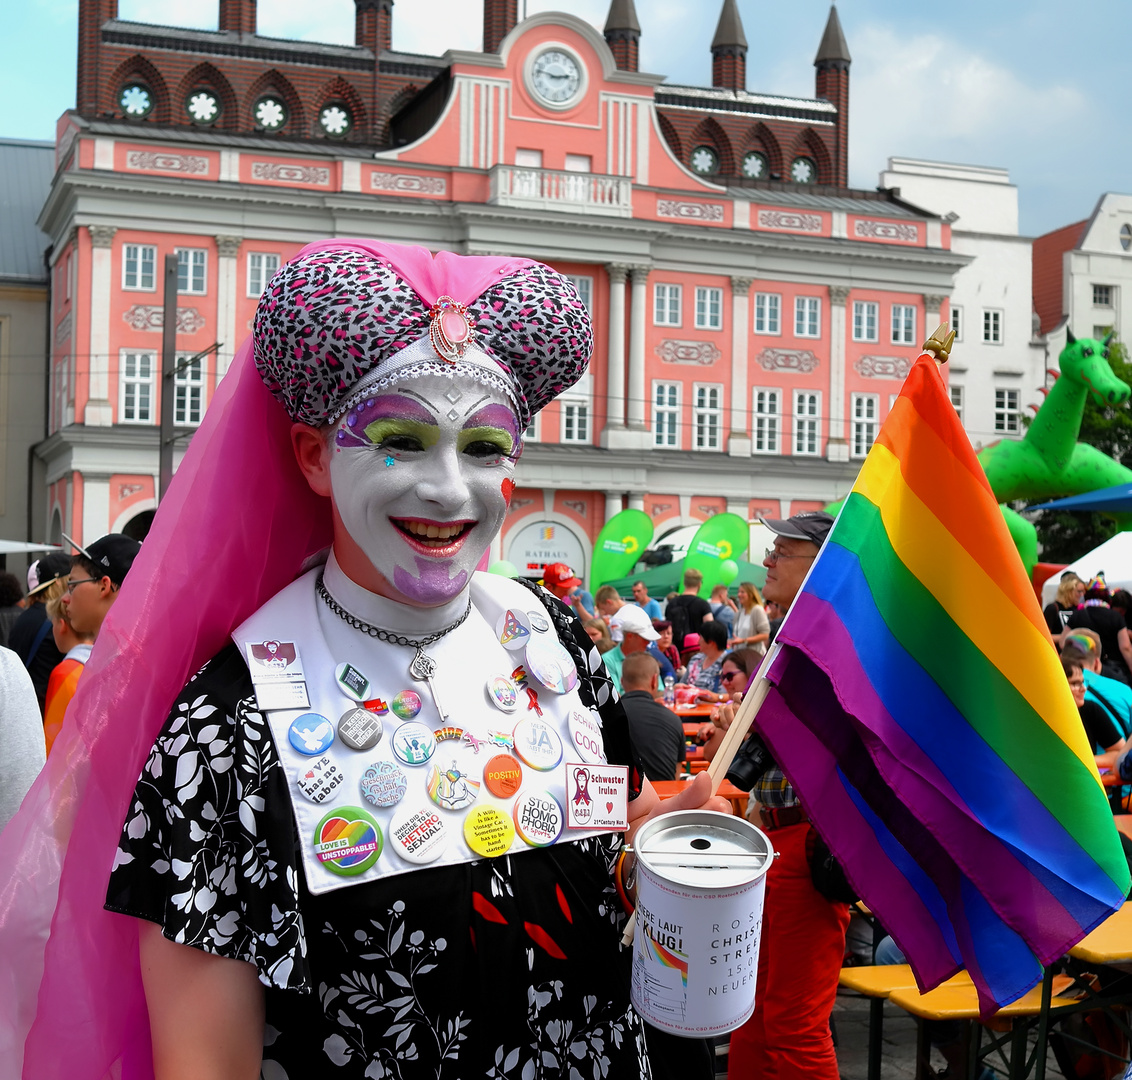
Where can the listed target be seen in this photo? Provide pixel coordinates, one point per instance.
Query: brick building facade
(755, 316)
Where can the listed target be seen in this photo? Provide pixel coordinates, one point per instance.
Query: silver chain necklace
(422, 667)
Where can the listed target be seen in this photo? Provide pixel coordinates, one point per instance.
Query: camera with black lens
(752, 759)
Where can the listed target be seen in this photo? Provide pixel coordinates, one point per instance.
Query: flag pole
(938, 346)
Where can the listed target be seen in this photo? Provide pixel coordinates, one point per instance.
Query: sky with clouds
(1027, 85)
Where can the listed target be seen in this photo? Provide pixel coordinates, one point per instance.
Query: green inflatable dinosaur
(1049, 462)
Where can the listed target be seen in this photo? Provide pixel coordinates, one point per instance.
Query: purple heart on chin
(434, 585)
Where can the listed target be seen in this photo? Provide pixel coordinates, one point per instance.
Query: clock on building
(557, 77)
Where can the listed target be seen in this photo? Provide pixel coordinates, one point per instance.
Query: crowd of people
(46, 637)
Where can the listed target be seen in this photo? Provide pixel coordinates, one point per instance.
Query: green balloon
(503, 568)
(728, 572)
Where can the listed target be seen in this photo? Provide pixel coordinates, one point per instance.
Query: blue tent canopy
(1112, 500)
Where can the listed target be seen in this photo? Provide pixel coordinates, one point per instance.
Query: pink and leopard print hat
(347, 317)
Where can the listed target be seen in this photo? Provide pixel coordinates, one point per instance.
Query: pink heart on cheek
(508, 489)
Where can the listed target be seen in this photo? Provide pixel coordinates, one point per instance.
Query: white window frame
(189, 392)
(957, 321)
(1007, 410)
(766, 426)
(707, 419)
(144, 387)
(667, 302)
(864, 411)
(135, 255)
(955, 393)
(667, 399)
(866, 319)
(194, 260)
(807, 316)
(806, 438)
(531, 434)
(992, 326)
(585, 286)
(709, 308)
(1105, 298)
(259, 269)
(768, 314)
(576, 421)
(903, 324)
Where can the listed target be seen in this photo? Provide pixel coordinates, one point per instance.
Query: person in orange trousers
(61, 685)
(803, 941)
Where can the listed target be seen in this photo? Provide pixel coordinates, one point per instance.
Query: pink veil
(235, 527)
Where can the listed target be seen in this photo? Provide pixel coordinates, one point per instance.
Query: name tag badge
(597, 797)
(277, 675)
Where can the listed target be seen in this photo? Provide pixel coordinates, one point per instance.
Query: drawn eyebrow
(424, 401)
(476, 404)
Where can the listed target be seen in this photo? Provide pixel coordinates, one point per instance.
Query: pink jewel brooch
(450, 329)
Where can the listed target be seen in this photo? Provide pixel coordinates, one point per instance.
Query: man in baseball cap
(30, 637)
(797, 540)
(803, 938)
(636, 632)
(97, 573)
(566, 585)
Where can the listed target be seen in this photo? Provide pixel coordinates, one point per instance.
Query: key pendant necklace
(422, 668)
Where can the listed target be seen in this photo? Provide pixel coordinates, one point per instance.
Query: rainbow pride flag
(921, 713)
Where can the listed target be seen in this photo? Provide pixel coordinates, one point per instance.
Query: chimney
(623, 34)
(373, 25)
(729, 50)
(92, 14)
(499, 19)
(832, 83)
(237, 16)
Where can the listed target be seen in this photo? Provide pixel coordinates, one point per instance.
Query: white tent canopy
(1114, 557)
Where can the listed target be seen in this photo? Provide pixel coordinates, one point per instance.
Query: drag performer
(347, 853)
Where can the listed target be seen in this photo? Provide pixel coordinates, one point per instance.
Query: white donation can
(701, 877)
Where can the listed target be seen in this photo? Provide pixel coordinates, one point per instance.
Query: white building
(1083, 275)
(997, 370)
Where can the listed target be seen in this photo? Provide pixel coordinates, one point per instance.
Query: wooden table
(703, 710)
(1109, 943)
(666, 789)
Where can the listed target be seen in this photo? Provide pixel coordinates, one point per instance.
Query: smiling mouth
(434, 537)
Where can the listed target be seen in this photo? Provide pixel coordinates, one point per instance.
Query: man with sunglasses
(803, 933)
(97, 573)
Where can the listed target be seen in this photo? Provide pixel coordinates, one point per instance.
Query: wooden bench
(957, 999)
(878, 983)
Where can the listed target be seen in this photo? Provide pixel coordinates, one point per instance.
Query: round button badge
(321, 780)
(489, 831)
(550, 663)
(538, 818)
(413, 743)
(406, 704)
(537, 743)
(502, 776)
(311, 733)
(384, 783)
(359, 729)
(513, 629)
(503, 693)
(585, 734)
(540, 624)
(347, 841)
(352, 682)
(451, 788)
(419, 835)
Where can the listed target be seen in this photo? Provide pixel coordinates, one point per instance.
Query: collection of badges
(425, 775)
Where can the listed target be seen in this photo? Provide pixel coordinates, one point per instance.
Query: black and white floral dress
(497, 968)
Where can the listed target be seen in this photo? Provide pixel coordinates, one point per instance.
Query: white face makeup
(421, 475)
